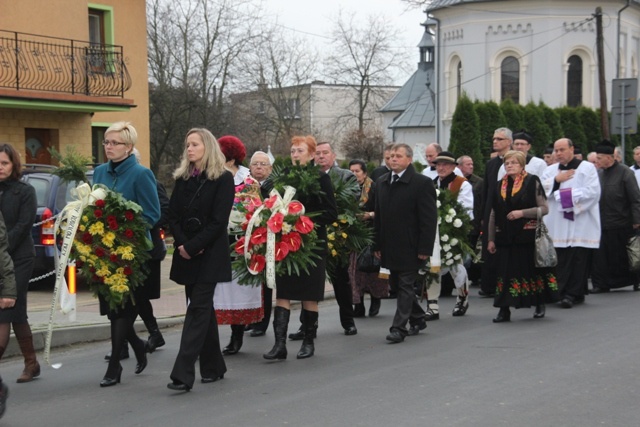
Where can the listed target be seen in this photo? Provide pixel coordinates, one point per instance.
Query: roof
(415, 100)
(441, 4)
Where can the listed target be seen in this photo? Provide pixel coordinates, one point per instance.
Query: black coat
(210, 201)
(405, 219)
(489, 189)
(18, 204)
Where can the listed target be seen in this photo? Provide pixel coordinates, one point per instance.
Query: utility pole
(604, 116)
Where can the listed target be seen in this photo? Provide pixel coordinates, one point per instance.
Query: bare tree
(418, 3)
(194, 48)
(276, 73)
(363, 57)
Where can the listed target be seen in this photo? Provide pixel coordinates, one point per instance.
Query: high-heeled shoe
(207, 380)
(108, 382)
(504, 315)
(540, 311)
(141, 356)
(178, 386)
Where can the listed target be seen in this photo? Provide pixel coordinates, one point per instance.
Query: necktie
(394, 178)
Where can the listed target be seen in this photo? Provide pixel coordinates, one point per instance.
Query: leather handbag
(633, 252)
(367, 262)
(545, 253)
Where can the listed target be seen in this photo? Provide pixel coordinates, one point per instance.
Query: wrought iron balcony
(39, 63)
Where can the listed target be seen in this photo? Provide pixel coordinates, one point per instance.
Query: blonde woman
(199, 212)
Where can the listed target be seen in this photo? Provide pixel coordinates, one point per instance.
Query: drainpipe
(618, 38)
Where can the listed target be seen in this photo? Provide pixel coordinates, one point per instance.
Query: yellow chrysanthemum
(343, 220)
(81, 227)
(97, 228)
(103, 272)
(344, 235)
(108, 239)
(335, 224)
(331, 236)
(85, 218)
(334, 252)
(330, 245)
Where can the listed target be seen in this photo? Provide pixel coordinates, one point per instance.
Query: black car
(52, 194)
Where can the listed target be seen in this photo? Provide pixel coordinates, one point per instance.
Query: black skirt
(151, 288)
(306, 287)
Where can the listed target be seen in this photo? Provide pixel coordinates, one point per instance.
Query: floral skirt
(520, 283)
(365, 282)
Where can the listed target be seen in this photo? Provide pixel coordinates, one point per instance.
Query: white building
(528, 50)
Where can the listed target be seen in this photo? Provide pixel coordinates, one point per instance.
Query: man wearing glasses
(502, 140)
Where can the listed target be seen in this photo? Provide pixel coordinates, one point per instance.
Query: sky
(313, 20)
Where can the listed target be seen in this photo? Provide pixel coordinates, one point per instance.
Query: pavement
(90, 326)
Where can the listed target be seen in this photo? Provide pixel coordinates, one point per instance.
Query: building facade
(326, 111)
(527, 50)
(68, 70)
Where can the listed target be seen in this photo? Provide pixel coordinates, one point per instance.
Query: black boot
(156, 339)
(280, 324)
(374, 309)
(310, 327)
(237, 334)
(504, 315)
(299, 334)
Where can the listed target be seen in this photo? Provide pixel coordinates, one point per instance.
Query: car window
(42, 187)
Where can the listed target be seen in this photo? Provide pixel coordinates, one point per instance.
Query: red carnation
(79, 263)
(129, 216)
(275, 222)
(282, 250)
(111, 218)
(99, 252)
(293, 241)
(87, 238)
(100, 203)
(97, 213)
(304, 225)
(129, 233)
(113, 225)
(128, 271)
(295, 207)
(259, 236)
(113, 258)
(257, 262)
(92, 269)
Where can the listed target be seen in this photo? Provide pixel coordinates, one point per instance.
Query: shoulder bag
(545, 253)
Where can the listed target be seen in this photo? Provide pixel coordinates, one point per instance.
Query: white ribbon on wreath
(281, 205)
(84, 196)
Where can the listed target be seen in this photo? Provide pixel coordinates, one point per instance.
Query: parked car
(52, 194)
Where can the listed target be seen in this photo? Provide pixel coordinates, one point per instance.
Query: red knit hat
(232, 148)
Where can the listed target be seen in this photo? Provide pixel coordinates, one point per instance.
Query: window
(98, 53)
(97, 150)
(510, 79)
(574, 81)
(96, 27)
(291, 108)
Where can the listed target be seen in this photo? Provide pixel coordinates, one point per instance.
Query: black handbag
(367, 261)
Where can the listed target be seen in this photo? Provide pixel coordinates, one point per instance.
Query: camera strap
(195, 195)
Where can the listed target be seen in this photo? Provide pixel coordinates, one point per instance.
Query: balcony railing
(33, 62)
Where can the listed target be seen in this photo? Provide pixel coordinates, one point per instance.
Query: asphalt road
(577, 367)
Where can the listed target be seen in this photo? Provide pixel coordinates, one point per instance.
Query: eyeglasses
(263, 164)
(106, 143)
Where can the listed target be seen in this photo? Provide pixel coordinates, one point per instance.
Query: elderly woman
(18, 206)
(361, 281)
(306, 287)
(512, 227)
(199, 212)
(236, 305)
(123, 174)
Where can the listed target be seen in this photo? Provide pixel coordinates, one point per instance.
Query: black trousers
(408, 309)
(610, 261)
(199, 338)
(342, 290)
(574, 265)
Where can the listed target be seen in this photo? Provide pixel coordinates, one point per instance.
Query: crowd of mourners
(591, 209)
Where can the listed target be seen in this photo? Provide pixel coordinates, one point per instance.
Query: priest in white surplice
(573, 192)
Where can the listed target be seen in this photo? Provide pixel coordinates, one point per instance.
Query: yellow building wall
(67, 129)
(69, 19)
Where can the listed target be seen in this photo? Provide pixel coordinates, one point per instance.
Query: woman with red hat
(236, 305)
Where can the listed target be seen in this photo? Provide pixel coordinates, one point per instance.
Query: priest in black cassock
(619, 219)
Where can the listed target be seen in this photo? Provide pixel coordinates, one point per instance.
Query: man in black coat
(502, 140)
(384, 168)
(405, 229)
